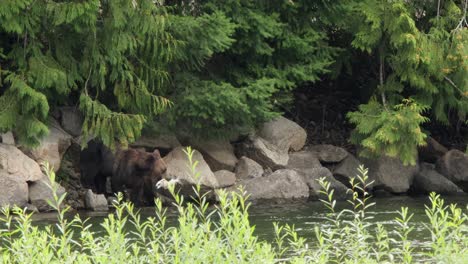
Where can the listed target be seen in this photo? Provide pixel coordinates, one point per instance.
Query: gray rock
(454, 166)
(31, 208)
(15, 164)
(218, 154)
(281, 184)
(283, 133)
(307, 164)
(263, 152)
(346, 169)
(52, 147)
(329, 153)
(160, 141)
(71, 120)
(390, 174)
(95, 202)
(428, 180)
(303, 160)
(247, 168)
(7, 138)
(312, 175)
(178, 168)
(225, 178)
(432, 151)
(40, 193)
(13, 191)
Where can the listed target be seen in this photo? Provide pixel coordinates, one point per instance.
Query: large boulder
(96, 202)
(454, 166)
(432, 151)
(283, 133)
(307, 164)
(16, 169)
(71, 120)
(312, 176)
(13, 191)
(329, 153)
(390, 174)
(347, 169)
(219, 154)
(178, 167)
(164, 141)
(15, 164)
(225, 178)
(52, 147)
(40, 193)
(428, 180)
(303, 160)
(265, 153)
(7, 138)
(281, 184)
(247, 168)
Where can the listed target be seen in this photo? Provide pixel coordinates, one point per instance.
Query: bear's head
(156, 168)
(151, 164)
(159, 166)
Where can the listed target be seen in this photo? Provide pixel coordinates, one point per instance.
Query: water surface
(305, 216)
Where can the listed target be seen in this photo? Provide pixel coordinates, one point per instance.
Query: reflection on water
(306, 216)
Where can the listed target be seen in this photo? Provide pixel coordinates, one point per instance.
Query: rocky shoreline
(271, 164)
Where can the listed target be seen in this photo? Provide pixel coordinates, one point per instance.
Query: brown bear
(133, 169)
(138, 171)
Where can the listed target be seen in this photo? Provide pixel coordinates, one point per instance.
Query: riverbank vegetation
(215, 68)
(223, 234)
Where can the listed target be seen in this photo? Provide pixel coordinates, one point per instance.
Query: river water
(305, 216)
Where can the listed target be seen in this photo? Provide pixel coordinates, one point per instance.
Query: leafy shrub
(223, 234)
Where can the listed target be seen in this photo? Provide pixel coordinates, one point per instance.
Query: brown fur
(133, 169)
(138, 171)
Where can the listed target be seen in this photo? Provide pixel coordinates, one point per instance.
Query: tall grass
(223, 234)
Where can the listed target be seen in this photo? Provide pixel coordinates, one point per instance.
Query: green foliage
(392, 132)
(223, 234)
(352, 238)
(107, 125)
(419, 55)
(252, 57)
(224, 67)
(216, 107)
(114, 52)
(24, 108)
(447, 228)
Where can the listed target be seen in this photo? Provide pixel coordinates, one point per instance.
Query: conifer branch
(25, 42)
(381, 76)
(463, 22)
(453, 84)
(438, 9)
(87, 79)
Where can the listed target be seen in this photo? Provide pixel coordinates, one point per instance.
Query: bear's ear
(156, 153)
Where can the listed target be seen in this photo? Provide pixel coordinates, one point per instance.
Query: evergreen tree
(421, 64)
(213, 68)
(273, 47)
(112, 54)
